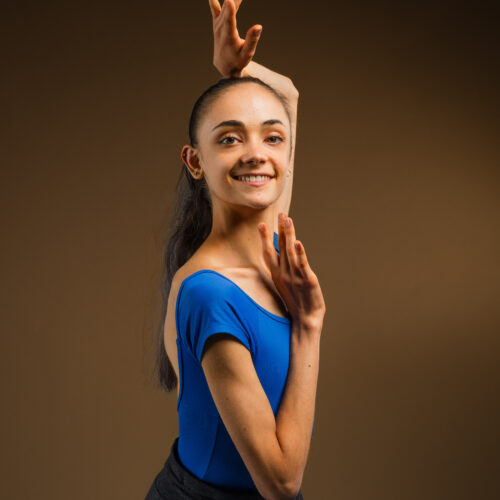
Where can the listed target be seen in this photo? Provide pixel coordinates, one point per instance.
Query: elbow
(292, 491)
(291, 91)
(294, 93)
(285, 491)
(281, 480)
(291, 487)
(280, 491)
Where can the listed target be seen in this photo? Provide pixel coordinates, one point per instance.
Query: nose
(253, 154)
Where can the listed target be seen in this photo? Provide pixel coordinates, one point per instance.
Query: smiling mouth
(254, 180)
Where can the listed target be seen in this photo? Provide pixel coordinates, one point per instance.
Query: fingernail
(261, 228)
(257, 32)
(287, 223)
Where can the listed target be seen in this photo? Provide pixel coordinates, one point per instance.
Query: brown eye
(276, 139)
(228, 140)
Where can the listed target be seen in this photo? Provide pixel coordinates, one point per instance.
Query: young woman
(244, 311)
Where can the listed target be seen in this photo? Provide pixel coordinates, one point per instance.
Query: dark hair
(192, 221)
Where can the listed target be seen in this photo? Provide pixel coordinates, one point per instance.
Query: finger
(301, 258)
(215, 8)
(290, 244)
(251, 41)
(229, 11)
(269, 252)
(302, 262)
(237, 4)
(284, 264)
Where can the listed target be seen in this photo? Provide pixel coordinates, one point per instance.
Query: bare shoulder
(195, 263)
(198, 261)
(169, 327)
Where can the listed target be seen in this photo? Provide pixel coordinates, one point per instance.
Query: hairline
(281, 99)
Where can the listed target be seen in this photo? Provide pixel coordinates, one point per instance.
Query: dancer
(244, 311)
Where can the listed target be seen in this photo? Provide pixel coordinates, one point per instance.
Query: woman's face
(245, 132)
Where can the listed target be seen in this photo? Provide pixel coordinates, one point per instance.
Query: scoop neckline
(282, 319)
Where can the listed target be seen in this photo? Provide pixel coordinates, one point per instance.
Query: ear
(191, 159)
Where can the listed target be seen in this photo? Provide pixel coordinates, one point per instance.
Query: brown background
(395, 198)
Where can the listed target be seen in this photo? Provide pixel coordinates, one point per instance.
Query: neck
(235, 239)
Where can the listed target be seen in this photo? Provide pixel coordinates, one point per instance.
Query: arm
(248, 417)
(233, 58)
(285, 87)
(274, 450)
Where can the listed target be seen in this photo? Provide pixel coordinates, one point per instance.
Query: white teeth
(253, 178)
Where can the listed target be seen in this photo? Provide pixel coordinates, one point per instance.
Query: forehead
(246, 102)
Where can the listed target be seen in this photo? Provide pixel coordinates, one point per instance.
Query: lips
(252, 175)
(256, 182)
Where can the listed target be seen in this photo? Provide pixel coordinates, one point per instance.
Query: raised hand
(231, 53)
(294, 279)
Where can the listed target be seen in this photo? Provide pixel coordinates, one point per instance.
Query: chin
(262, 203)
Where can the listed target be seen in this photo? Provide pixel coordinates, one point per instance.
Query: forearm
(285, 87)
(295, 417)
(281, 83)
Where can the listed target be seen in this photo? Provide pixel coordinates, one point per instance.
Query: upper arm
(246, 412)
(214, 331)
(286, 196)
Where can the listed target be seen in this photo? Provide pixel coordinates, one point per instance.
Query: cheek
(217, 167)
(281, 158)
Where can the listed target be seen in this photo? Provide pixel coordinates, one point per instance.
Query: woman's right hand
(296, 282)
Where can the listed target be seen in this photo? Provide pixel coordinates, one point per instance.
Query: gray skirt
(175, 482)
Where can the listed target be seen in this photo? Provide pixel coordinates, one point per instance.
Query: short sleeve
(208, 305)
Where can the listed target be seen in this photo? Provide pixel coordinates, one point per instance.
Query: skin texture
(275, 450)
(250, 148)
(233, 57)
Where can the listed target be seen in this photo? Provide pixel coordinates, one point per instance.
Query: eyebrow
(236, 123)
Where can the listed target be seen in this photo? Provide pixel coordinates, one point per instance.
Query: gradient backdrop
(395, 198)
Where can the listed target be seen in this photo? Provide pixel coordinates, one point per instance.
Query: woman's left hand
(231, 53)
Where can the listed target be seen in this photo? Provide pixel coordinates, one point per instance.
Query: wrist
(224, 70)
(245, 71)
(309, 326)
(230, 72)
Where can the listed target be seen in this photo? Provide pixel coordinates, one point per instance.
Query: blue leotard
(209, 303)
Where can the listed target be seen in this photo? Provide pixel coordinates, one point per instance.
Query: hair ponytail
(191, 224)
